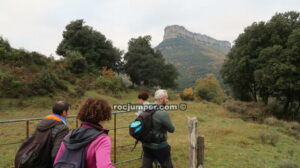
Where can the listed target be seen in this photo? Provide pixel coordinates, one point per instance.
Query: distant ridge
(176, 31)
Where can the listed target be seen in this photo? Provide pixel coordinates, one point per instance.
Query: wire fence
(29, 124)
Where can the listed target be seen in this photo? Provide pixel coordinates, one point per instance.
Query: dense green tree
(91, 44)
(238, 69)
(168, 76)
(76, 63)
(146, 66)
(264, 62)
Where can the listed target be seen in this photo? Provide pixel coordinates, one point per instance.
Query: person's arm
(59, 136)
(166, 121)
(103, 153)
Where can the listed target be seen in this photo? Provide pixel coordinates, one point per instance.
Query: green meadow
(230, 142)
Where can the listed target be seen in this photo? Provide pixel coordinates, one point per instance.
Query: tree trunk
(266, 98)
(297, 112)
(286, 108)
(253, 91)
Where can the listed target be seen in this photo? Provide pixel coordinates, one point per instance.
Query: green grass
(229, 141)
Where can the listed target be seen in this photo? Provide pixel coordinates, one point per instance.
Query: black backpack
(35, 152)
(76, 158)
(141, 128)
(72, 159)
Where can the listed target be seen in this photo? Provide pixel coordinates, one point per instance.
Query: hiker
(88, 146)
(142, 99)
(41, 148)
(159, 149)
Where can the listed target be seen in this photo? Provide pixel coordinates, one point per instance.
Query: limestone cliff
(193, 54)
(176, 31)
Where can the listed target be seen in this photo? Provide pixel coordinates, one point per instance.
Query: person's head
(161, 97)
(94, 111)
(143, 96)
(61, 108)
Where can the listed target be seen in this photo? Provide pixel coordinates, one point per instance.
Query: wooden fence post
(196, 145)
(200, 151)
(192, 125)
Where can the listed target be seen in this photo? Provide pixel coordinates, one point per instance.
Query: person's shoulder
(160, 112)
(148, 104)
(102, 139)
(61, 126)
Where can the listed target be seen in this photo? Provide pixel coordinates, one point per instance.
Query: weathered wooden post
(200, 151)
(196, 145)
(192, 125)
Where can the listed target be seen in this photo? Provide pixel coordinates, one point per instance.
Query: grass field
(229, 141)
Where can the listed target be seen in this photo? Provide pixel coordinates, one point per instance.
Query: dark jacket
(161, 125)
(59, 131)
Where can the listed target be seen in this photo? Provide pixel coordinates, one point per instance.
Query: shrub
(274, 139)
(263, 138)
(47, 82)
(287, 164)
(61, 85)
(289, 128)
(14, 88)
(252, 111)
(79, 91)
(76, 63)
(273, 122)
(109, 82)
(270, 139)
(208, 88)
(87, 81)
(68, 77)
(187, 94)
(114, 85)
(292, 129)
(39, 59)
(108, 73)
(172, 95)
(117, 85)
(4, 44)
(4, 49)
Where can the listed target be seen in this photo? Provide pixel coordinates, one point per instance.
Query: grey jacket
(161, 125)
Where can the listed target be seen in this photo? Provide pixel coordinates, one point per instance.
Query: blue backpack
(141, 128)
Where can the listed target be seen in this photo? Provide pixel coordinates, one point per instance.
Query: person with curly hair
(91, 138)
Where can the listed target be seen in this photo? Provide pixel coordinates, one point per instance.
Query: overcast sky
(37, 25)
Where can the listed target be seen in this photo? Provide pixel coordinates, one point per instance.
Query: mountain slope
(194, 55)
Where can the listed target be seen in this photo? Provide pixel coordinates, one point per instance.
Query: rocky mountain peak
(176, 31)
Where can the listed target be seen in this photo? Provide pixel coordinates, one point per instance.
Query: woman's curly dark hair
(94, 110)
